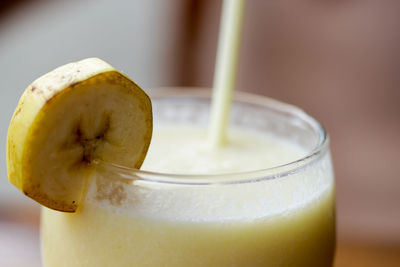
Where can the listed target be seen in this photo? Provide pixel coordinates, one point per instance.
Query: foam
(182, 149)
(184, 152)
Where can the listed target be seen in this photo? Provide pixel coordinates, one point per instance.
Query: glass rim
(271, 173)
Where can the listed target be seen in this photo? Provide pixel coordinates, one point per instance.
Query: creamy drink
(265, 198)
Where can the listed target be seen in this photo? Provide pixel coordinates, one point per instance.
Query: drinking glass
(279, 216)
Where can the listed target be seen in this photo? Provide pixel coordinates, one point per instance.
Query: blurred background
(338, 60)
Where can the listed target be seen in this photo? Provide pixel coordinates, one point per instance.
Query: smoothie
(287, 221)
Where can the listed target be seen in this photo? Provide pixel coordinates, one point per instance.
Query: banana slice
(76, 113)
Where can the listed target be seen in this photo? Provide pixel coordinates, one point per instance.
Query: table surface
(19, 245)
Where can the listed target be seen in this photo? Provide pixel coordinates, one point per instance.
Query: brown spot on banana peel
(45, 200)
(73, 84)
(17, 111)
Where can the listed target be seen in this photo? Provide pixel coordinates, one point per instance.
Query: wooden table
(19, 245)
(357, 254)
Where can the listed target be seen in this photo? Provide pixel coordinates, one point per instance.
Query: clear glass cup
(280, 216)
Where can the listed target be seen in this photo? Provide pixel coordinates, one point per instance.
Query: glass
(280, 216)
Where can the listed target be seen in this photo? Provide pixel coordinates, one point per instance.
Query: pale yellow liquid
(287, 221)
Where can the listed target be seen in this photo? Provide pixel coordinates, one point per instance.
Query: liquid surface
(182, 149)
(289, 221)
